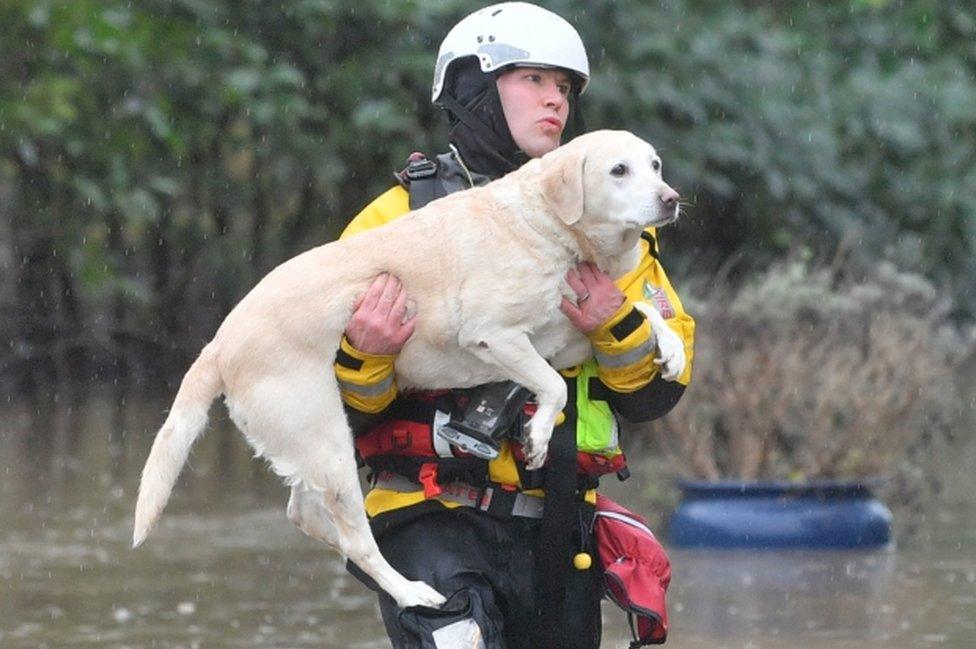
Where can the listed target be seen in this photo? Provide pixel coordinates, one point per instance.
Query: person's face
(536, 105)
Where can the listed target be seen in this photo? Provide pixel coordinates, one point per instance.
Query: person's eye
(619, 170)
(534, 78)
(564, 89)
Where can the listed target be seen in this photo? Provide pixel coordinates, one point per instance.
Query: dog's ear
(562, 186)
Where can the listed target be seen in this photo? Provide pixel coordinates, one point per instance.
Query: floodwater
(225, 568)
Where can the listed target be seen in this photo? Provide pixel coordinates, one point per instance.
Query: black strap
(346, 360)
(472, 470)
(628, 325)
(636, 642)
(422, 192)
(555, 549)
(492, 143)
(652, 244)
(421, 180)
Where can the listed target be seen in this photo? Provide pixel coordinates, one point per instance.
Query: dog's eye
(619, 170)
(656, 165)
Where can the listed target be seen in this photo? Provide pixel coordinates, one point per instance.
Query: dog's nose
(670, 198)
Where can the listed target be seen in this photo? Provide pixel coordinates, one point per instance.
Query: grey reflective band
(627, 358)
(372, 390)
(502, 54)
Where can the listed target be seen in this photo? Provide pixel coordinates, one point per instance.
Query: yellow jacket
(621, 378)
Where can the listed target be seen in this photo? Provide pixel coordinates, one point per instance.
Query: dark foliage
(157, 157)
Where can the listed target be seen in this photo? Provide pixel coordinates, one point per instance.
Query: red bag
(636, 570)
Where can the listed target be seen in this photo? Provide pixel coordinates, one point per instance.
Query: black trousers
(486, 568)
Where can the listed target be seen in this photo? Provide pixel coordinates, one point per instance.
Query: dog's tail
(186, 421)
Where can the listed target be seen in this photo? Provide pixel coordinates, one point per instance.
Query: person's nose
(554, 97)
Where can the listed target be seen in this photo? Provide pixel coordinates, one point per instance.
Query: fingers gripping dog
(487, 269)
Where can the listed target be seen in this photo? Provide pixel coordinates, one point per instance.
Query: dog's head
(607, 186)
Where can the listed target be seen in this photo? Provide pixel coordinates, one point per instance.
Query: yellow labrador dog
(487, 270)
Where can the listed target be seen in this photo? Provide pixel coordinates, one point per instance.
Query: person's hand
(597, 297)
(378, 324)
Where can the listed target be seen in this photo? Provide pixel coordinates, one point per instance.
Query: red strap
(594, 464)
(428, 478)
(397, 437)
(428, 396)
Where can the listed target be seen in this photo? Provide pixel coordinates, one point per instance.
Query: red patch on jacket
(659, 298)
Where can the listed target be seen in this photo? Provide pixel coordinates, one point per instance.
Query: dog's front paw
(671, 348)
(671, 354)
(535, 443)
(535, 460)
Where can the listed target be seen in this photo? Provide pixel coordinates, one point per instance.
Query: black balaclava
(479, 129)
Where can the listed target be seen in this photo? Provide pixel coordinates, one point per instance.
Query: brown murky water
(225, 568)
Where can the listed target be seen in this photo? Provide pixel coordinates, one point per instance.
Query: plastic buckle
(420, 169)
(428, 478)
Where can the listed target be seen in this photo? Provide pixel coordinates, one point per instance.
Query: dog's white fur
(486, 268)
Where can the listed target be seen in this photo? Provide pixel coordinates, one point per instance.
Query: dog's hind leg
(332, 469)
(305, 436)
(306, 510)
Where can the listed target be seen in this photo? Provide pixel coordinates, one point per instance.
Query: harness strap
(492, 498)
(555, 550)
(421, 180)
(425, 190)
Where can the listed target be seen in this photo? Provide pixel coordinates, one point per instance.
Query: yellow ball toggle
(582, 561)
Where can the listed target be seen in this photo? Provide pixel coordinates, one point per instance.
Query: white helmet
(512, 33)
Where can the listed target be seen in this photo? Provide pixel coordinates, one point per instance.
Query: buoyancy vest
(404, 442)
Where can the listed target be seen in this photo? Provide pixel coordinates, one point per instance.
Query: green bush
(807, 124)
(158, 157)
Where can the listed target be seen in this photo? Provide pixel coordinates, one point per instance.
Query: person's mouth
(551, 121)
